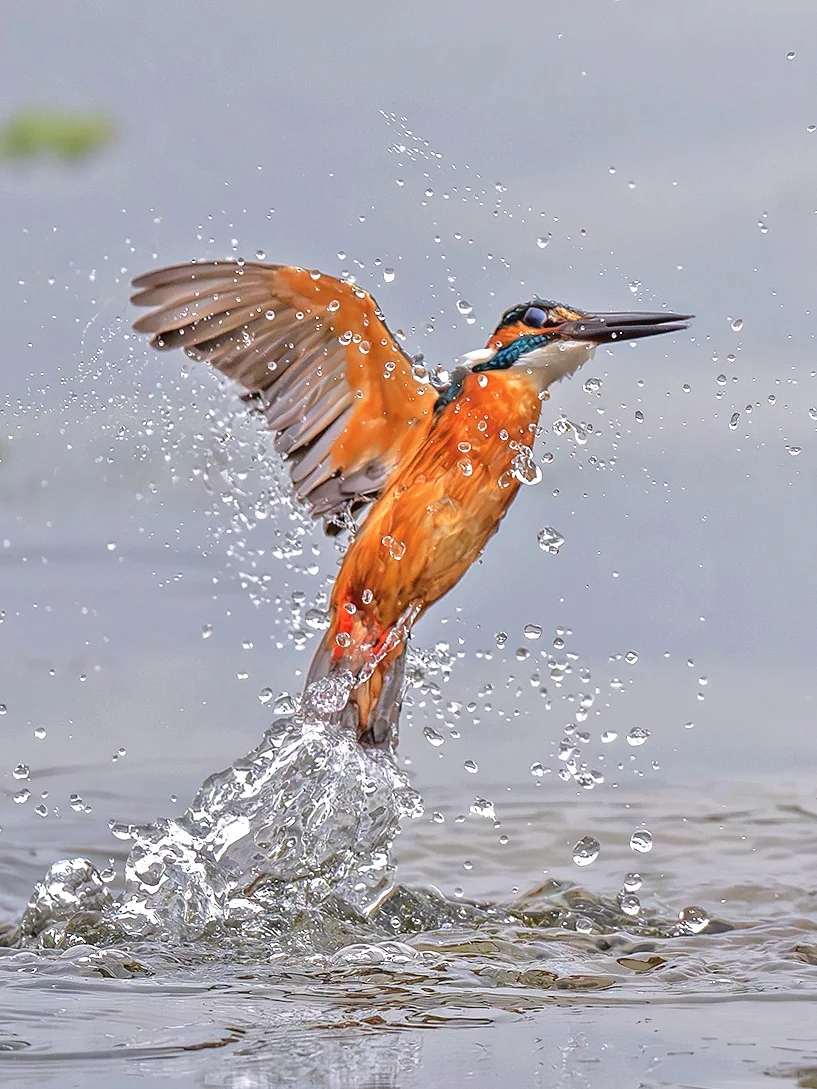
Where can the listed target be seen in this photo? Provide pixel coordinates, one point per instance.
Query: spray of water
(306, 816)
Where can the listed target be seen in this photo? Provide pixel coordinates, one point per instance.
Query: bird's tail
(360, 685)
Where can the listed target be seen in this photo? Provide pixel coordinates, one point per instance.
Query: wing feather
(312, 353)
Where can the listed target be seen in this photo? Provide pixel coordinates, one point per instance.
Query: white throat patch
(557, 360)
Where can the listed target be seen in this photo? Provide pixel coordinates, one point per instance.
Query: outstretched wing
(312, 352)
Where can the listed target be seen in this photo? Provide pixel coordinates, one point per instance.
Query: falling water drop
(481, 807)
(641, 841)
(693, 919)
(586, 851)
(637, 736)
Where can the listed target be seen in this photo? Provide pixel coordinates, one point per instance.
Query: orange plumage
(359, 425)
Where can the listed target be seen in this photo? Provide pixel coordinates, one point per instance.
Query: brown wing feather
(314, 354)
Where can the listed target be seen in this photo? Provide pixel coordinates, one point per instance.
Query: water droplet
(631, 656)
(811, 128)
(464, 307)
(269, 315)
(471, 766)
(265, 695)
(543, 240)
(693, 919)
(111, 546)
(532, 631)
(343, 639)
(641, 841)
(260, 255)
(794, 450)
(21, 771)
(637, 736)
(537, 770)
(736, 325)
(586, 851)
(285, 704)
(592, 385)
(629, 904)
(584, 925)
(397, 549)
(632, 882)
(432, 737)
(481, 807)
(791, 56)
(207, 631)
(734, 420)
(21, 797)
(40, 732)
(608, 736)
(438, 818)
(524, 467)
(388, 275)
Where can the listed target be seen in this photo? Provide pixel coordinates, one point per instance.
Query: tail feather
(368, 700)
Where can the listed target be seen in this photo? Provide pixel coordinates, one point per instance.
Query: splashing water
(305, 816)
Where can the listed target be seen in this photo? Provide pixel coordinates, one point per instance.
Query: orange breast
(441, 506)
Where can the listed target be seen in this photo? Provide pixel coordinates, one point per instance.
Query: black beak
(603, 328)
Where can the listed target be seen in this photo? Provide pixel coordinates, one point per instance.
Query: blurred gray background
(662, 153)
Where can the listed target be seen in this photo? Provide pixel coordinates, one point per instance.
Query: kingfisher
(421, 474)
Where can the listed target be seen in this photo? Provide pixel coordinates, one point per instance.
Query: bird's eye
(535, 317)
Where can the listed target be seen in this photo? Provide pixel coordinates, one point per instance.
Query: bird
(419, 474)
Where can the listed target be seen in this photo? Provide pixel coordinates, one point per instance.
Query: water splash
(306, 816)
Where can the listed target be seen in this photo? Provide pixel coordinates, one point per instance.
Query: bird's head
(555, 340)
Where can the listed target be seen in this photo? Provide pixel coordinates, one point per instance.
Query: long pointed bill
(603, 328)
